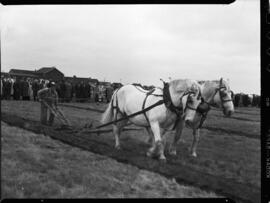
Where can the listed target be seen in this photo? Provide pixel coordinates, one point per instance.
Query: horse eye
(189, 99)
(222, 93)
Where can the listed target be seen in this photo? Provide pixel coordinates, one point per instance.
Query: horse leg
(196, 138)
(179, 128)
(158, 142)
(150, 141)
(117, 128)
(151, 136)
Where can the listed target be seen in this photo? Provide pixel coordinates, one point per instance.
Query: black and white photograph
(131, 101)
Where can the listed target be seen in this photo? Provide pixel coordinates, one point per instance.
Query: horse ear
(200, 95)
(221, 81)
(194, 88)
(184, 102)
(162, 80)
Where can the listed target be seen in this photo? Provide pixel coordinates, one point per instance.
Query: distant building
(5, 74)
(116, 85)
(77, 80)
(50, 73)
(106, 84)
(22, 73)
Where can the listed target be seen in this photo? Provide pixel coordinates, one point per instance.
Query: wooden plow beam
(99, 131)
(57, 113)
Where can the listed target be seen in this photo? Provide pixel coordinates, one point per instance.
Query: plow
(87, 128)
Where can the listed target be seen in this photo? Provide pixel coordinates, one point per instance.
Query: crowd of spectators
(21, 89)
(27, 88)
(246, 100)
(83, 91)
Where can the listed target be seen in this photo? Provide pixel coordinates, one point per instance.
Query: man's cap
(51, 84)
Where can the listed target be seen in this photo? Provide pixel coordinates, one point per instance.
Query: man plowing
(48, 98)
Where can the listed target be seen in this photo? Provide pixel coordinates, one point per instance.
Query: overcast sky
(137, 43)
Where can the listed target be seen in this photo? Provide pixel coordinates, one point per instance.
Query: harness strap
(132, 115)
(117, 106)
(204, 116)
(143, 106)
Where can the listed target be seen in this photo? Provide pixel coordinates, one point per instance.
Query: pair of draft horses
(179, 103)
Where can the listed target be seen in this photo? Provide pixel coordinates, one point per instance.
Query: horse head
(223, 98)
(191, 99)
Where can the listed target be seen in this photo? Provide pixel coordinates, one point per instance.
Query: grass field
(229, 147)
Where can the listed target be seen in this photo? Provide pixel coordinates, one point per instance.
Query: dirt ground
(35, 166)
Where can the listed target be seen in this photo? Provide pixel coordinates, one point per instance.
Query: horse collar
(168, 100)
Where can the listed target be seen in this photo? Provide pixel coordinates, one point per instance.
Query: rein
(132, 115)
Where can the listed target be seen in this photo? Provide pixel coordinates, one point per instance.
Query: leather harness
(167, 101)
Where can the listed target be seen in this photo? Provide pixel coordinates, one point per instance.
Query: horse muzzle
(188, 123)
(228, 113)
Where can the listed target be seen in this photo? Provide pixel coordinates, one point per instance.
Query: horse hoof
(194, 154)
(162, 160)
(117, 147)
(172, 152)
(149, 154)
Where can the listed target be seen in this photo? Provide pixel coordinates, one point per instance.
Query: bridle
(219, 90)
(189, 93)
(204, 112)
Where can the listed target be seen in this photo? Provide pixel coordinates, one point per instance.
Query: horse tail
(107, 116)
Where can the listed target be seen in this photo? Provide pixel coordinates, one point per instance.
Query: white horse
(214, 93)
(181, 99)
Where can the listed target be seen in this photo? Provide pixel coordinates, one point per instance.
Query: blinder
(222, 95)
(189, 99)
(203, 107)
(232, 94)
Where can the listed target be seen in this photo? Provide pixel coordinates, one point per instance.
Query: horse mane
(185, 84)
(210, 82)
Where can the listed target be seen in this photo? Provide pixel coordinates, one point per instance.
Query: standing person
(236, 100)
(68, 91)
(35, 87)
(1, 88)
(40, 84)
(11, 87)
(25, 90)
(87, 90)
(100, 93)
(109, 92)
(96, 93)
(81, 92)
(16, 88)
(47, 97)
(20, 83)
(62, 91)
(7, 88)
(91, 92)
(76, 88)
(4, 88)
(30, 90)
(73, 93)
